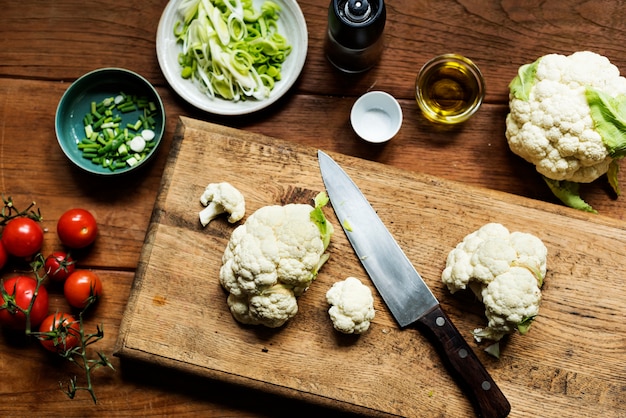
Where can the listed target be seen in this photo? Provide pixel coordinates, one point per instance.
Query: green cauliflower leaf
(608, 116)
(567, 192)
(317, 217)
(521, 85)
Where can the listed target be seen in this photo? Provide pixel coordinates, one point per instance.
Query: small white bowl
(376, 117)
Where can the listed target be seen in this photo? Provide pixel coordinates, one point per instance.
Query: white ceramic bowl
(291, 24)
(376, 117)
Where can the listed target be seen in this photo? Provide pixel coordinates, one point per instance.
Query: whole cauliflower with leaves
(568, 118)
(272, 259)
(505, 270)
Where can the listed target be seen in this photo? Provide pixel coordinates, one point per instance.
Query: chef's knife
(407, 296)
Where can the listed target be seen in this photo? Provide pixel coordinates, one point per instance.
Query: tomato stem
(78, 356)
(36, 265)
(9, 211)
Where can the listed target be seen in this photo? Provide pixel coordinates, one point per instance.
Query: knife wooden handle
(470, 373)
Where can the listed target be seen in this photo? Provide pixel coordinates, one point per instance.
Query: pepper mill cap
(356, 24)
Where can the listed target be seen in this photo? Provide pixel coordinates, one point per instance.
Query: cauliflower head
(272, 259)
(352, 307)
(505, 270)
(567, 118)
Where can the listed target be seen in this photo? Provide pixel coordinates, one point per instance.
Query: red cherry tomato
(21, 290)
(59, 265)
(22, 237)
(80, 287)
(62, 332)
(3, 255)
(77, 228)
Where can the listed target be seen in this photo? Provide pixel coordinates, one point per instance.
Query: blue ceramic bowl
(96, 86)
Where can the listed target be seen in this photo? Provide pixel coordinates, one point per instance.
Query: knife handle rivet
(462, 353)
(485, 385)
(440, 321)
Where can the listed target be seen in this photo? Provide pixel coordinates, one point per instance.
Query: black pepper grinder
(354, 40)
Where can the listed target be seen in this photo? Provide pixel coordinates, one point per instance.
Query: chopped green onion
(107, 143)
(136, 126)
(137, 144)
(132, 161)
(127, 107)
(148, 134)
(88, 146)
(109, 125)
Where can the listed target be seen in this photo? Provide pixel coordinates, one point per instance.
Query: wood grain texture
(45, 45)
(387, 371)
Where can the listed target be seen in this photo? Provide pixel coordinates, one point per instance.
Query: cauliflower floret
(490, 259)
(531, 253)
(271, 308)
(461, 263)
(271, 259)
(481, 256)
(221, 198)
(511, 301)
(352, 307)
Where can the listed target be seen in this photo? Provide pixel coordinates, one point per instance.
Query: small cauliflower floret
(505, 271)
(221, 198)
(565, 118)
(272, 308)
(511, 302)
(531, 253)
(492, 258)
(352, 307)
(272, 259)
(481, 256)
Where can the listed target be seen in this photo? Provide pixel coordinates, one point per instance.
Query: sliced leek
(229, 49)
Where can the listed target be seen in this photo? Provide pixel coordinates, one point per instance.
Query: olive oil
(449, 89)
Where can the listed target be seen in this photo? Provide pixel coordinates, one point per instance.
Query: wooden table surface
(45, 45)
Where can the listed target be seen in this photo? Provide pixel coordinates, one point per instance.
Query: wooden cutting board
(571, 363)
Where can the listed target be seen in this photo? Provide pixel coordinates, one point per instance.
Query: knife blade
(405, 293)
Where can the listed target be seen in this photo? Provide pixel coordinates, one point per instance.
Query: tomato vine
(9, 211)
(78, 354)
(17, 310)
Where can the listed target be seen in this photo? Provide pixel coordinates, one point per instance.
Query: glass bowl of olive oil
(449, 89)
